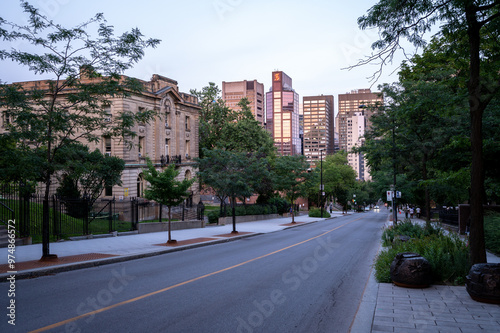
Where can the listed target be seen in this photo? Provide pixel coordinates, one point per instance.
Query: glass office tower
(282, 115)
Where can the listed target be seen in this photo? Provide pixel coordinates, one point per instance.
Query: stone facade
(171, 137)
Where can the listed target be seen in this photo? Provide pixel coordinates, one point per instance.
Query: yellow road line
(64, 322)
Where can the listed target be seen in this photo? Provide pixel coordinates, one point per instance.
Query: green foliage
(213, 216)
(18, 163)
(230, 174)
(290, 175)
(492, 232)
(339, 179)
(407, 228)
(471, 32)
(84, 76)
(87, 174)
(221, 127)
(281, 205)
(316, 212)
(383, 264)
(163, 186)
(448, 255)
(68, 107)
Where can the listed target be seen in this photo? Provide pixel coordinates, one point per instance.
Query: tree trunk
(233, 199)
(169, 224)
(476, 238)
(46, 222)
(426, 191)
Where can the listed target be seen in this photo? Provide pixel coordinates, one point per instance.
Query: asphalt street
(306, 279)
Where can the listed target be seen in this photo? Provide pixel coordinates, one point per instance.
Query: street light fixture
(321, 188)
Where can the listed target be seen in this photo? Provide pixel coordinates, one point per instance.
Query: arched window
(140, 185)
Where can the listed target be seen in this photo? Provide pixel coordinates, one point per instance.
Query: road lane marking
(138, 298)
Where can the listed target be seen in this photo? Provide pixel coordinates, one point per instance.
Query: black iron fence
(449, 216)
(81, 216)
(145, 210)
(67, 216)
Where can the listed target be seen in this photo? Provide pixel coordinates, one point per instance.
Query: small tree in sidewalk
(165, 189)
(290, 175)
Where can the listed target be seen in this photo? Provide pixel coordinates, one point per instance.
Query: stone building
(172, 137)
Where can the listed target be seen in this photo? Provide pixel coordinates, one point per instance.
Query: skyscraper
(318, 126)
(282, 115)
(351, 123)
(233, 92)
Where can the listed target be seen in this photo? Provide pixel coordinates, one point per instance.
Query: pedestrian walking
(406, 212)
(418, 212)
(411, 212)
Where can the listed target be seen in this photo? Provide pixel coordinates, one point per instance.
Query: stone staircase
(4, 237)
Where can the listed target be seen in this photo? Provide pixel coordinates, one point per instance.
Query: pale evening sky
(230, 40)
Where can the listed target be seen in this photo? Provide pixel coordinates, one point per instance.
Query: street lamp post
(321, 188)
(394, 211)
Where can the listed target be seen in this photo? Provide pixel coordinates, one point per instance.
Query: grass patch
(448, 255)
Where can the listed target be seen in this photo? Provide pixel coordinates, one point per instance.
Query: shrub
(213, 216)
(492, 232)
(407, 228)
(316, 212)
(447, 254)
(280, 204)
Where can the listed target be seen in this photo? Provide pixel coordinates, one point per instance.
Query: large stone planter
(483, 283)
(411, 270)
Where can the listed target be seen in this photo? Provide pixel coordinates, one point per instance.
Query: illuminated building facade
(282, 115)
(318, 125)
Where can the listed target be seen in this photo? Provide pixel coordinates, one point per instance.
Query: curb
(51, 270)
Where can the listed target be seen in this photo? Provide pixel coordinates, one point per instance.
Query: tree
(224, 128)
(165, 189)
(472, 24)
(214, 115)
(422, 115)
(84, 78)
(338, 177)
(86, 174)
(233, 130)
(18, 164)
(244, 133)
(289, 175)
(230, 174)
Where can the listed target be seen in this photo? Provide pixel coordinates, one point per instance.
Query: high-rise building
(233, 92)
(318, 126)
(352, 120)
(282, 115)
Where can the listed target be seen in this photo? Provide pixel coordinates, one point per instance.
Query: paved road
(305, 279)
